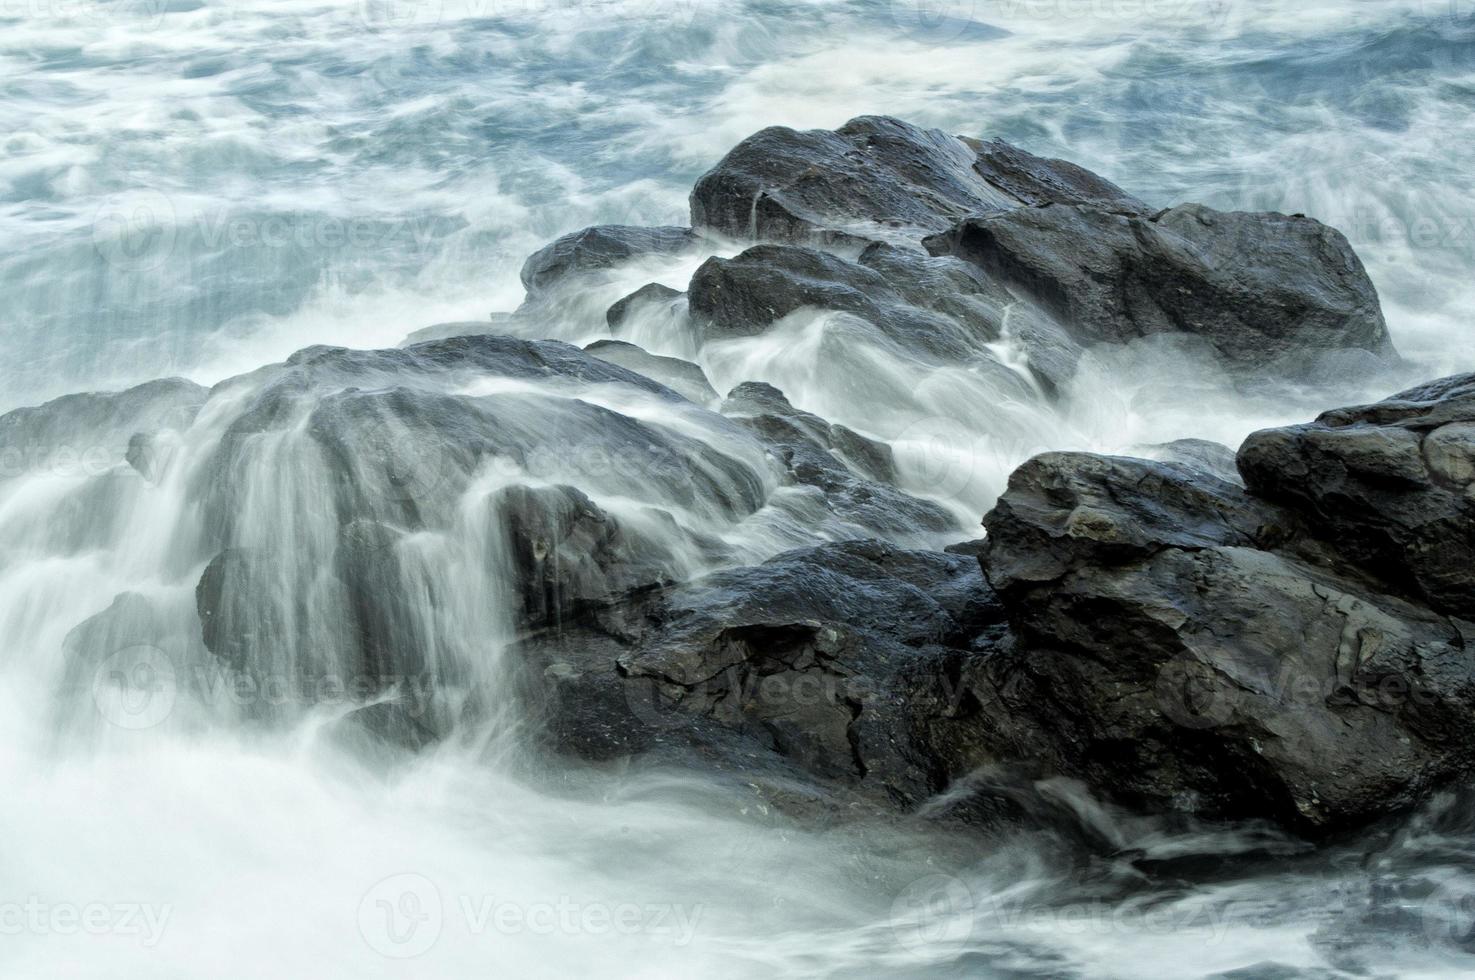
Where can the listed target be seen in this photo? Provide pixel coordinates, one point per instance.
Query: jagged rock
(878, 178)
(1188, 646)
(599, 248)
(846, 662)
(1263, 290)
(1390, 483)
(683, 377)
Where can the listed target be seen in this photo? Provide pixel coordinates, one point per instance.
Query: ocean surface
(196, 188)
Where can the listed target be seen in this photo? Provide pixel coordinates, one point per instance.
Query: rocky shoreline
(729, 579)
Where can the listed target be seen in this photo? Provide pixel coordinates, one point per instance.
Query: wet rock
(85, 434)
(854, 473)
(683, 377)
(845, 661)
(567, 553)
(1213, 458)
(1264, 290)
(1390, 483)
(1189, 646)
(652, 294)
(597, 249)
(878, 178)
(935, 311)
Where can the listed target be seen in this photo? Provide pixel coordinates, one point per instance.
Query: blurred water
(198, 188)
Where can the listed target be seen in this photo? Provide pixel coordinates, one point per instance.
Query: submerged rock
(680, 376)
(85, 434)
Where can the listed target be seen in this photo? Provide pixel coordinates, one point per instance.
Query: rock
(683, 377)
(878, 178)
(497, 323)
(944, 313)
(853, 473)
(1213, 458)
(86, 434)
(651, 294)
(1390, 483)
(844, 662)
(1185, 645)
(566, 553)
(597, 249)
(1265, 291)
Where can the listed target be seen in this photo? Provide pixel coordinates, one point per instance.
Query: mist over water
(198, 189)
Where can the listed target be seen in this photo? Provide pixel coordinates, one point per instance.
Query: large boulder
(543, 478)
(1262, 290)
(1189, 646)
(878, 178)
(846, 665)
(1391, 483)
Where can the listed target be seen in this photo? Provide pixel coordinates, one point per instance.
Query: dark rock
(878, 178)
(1187, 646)
(847, 661)
(566, 553)
(651, 294)
(1264, 290)
(683, 377)
(597, 249)
(854, 473)
(747, 294)
(1390, 483)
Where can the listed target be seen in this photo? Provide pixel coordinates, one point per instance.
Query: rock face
(1261, 289)
(843, 665)
(1390, 482)
(1299, 651)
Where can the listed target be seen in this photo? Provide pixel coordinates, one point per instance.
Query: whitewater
(196, 189)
